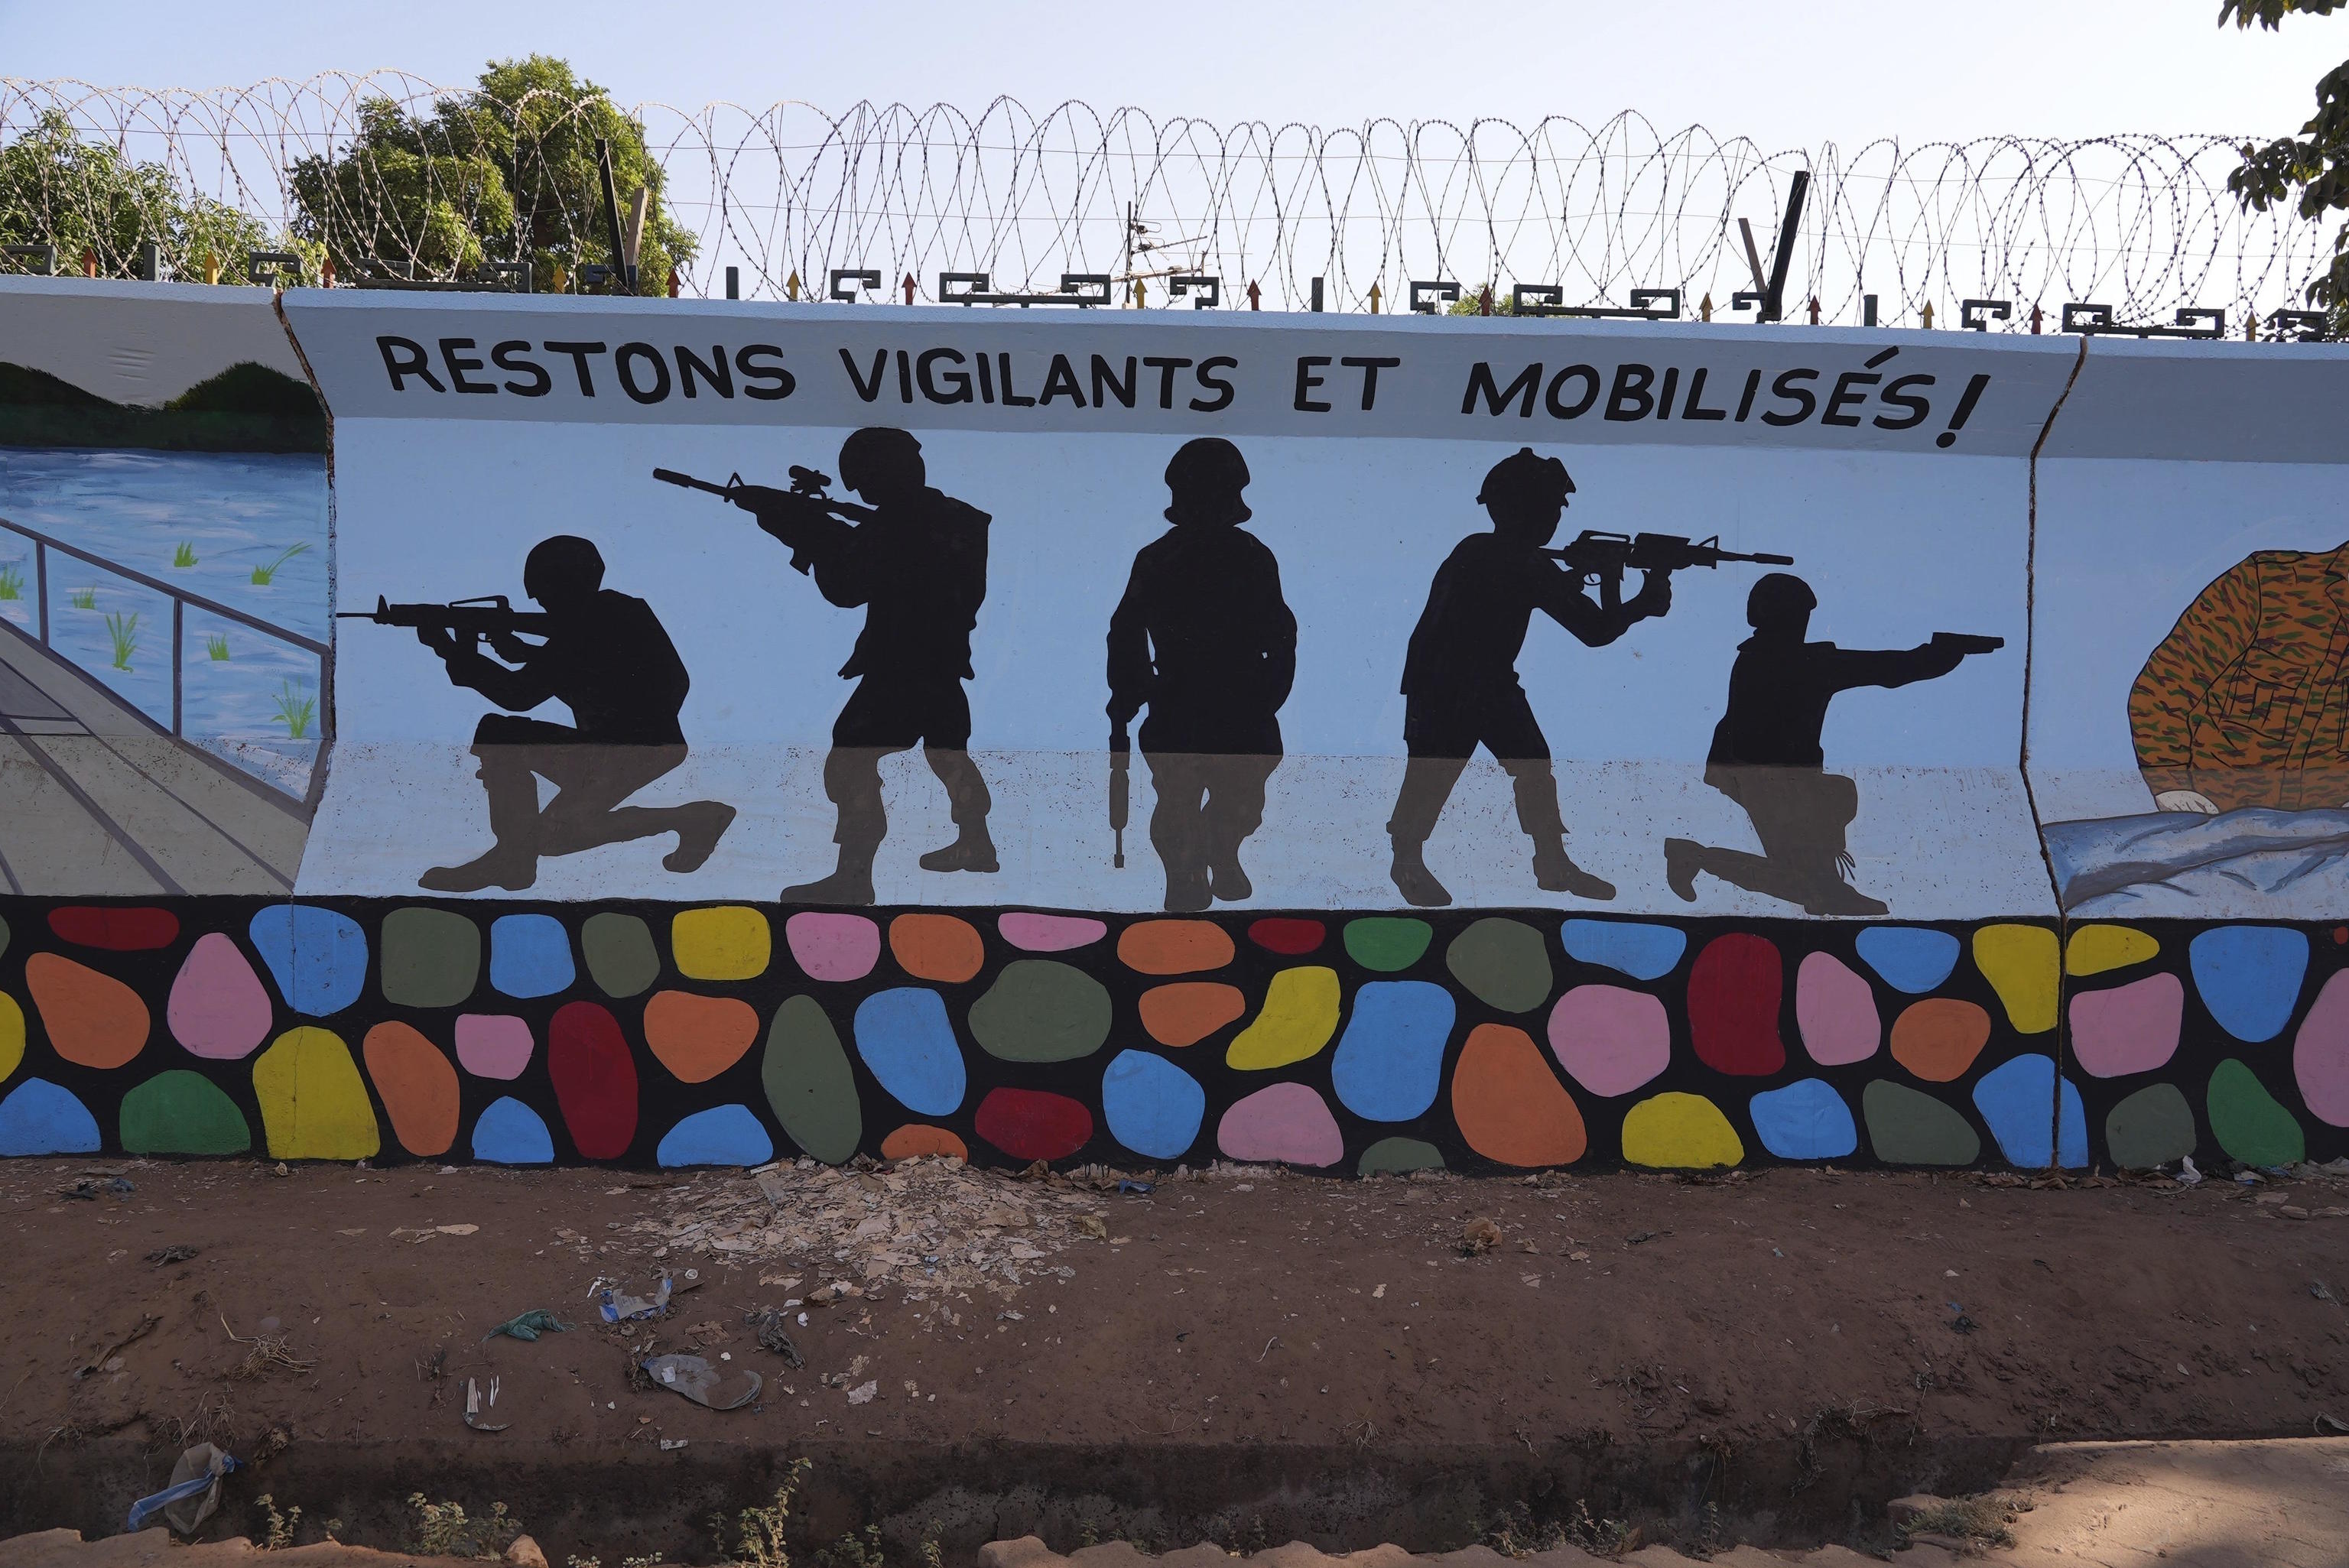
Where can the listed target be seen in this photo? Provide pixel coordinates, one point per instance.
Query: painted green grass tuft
(263, 574)
(12, 583)
(122, 630)
(184, 556)
(83, 598)
(217, 646)
(295, 709)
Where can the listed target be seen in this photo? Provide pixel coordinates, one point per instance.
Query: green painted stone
(2152, 1126)
(182, 1112)
(2247, 1122)
(621, 957)
(1504, 963)
(1400, 1155)
(1041, 1011)
(1387, 943)
(1908, 1127)
(809, 1083)
(431, 957)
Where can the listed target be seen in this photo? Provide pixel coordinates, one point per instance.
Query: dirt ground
(1244, 1329)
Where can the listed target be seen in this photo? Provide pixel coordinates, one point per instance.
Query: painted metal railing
(181, 599)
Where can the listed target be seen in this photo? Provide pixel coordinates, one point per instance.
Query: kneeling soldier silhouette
(607, 659)
(1204, 639)
(1460, 676)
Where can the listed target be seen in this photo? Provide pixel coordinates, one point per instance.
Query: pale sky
(1786, 75)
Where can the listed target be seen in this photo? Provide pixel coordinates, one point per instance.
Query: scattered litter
(2327, 1426)
(2250, 1178)
(528, 1326)
(473, 1406)
(1479, 1236)
(147, 1325)
(670, 1445)
(281, 1170)
(456, 1230)
(192, 1494)
(1092, 1225)
(1128, 1184)
(1636, 1237)
(171, 1255)
(620, 1308)
(1578, 1256)
(2188, 1175)
(1960, 1324)
(91, 1188)
(1379, 1294)
(769, 1322)
(2317, 1288)
(703, 1384)
(865, 1393)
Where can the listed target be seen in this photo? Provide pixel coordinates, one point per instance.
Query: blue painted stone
(40, 1118)
(510, 1133)
(1642, 951)
(1909, 957)
(2249, 976)
(1154, 1106)
(2018, 1099)
(318, 957)
(2071, 1128)
(1807, 1119)
(530, 955)
(1389, 1062)
(722, 1135)
(904, 1038)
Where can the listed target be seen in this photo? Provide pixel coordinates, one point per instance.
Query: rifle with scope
(1603, 558)
(805, 518)
(468, 621)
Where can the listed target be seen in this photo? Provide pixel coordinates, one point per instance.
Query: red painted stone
(115, 930)
(1276, 934)
(1733, 991)
(595, 1079)
(1029, 1124)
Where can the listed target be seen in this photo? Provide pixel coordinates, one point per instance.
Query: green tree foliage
(1471, 302)
(2312, 168)
(58, 187)
(504, 170)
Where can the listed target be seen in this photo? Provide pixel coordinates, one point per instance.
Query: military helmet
(564, 564)
(1779, 599)
(1526, 479)
(875, 451)
(1207, 476)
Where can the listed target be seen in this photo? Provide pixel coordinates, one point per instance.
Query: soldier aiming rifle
(606, 657)
(916, 561)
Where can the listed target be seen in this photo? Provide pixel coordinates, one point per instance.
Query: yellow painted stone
(2096, 948)
(313, 1103)
(2021, 962)
(12, 1035)
(728, 941)
(1301, 1014)
(1680, 1131)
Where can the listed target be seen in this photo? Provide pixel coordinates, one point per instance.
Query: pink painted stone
(218, 1008)
(1837, 1012)
(1609, 1038)
(2130, 1028)
(1288, 1122)
(493, 1045)
(1033, 933)
(834, 946)
(2320, 1053)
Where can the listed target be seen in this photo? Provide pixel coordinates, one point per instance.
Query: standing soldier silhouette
(607, 658)
(917, 562)
(1460, 676)
(1204, 639)
(1766, 753)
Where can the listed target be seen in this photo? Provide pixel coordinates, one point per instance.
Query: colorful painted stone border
(648, 1033)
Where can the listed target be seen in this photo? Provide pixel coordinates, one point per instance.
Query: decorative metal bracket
(1549, 299)
(46, 254)
(862, 277)
(2305, 325)
(269, 268)
(1082, 289)
(1976, 315)
(2097, 321)
(1424, 295)
(1747, 299)
(1209, 291)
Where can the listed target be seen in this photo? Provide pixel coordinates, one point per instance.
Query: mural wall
(1364, 744)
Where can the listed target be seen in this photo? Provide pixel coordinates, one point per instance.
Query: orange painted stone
(698, 1038)
(417, 1085)
(93, 1020)
(937, 947)
(1188, 1011)
(1174, 946)
(919, 1138)
(1938, 1038)
(1509, 1106)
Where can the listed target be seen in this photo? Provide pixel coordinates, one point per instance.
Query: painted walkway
(96, 802)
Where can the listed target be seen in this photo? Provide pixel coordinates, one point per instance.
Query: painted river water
(246, 531)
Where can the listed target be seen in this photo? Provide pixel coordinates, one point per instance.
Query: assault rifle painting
(606, 657)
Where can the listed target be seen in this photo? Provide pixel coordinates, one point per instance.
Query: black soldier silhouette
(915, 559)
(1766, 753)
(607, 659)
(1460, 677)
(1204, 640)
